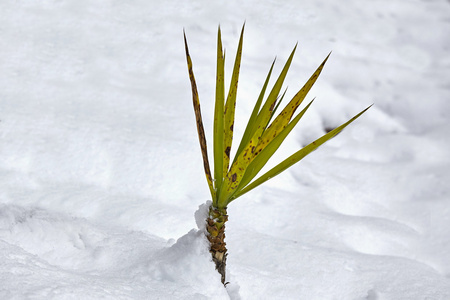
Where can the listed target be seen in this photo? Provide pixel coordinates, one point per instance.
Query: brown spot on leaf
(272, 106)
(233, 177)
(227, 151)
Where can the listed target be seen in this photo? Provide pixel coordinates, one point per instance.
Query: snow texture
(101, 172)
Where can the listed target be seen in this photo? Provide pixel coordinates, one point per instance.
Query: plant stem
(215, 226)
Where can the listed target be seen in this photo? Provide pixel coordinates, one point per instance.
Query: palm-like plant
(234, 178)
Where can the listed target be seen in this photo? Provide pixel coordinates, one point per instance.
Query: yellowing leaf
(285, 116)
(237, 170)
(230, 106)
(260, 140)
(296, 157)
(218, 135)
(198, 117)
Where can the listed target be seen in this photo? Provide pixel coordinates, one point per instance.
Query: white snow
(101, 172)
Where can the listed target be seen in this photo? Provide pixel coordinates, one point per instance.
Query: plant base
(215, 226)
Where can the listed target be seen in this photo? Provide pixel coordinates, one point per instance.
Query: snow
(102, 190)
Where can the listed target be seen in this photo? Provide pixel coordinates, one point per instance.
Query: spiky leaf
(296, 157)
(198, 117)
(244, 158)
(218, 137)
(285, 116)
(263, 157)
(230, 106)
(251, 122)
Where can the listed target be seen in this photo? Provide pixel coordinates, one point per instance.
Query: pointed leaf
(262, 158)
(230, 106)
(286, 114)
(246, 156)
(218, 116)
(266, 111)
(274, 110)
(198, 117)
(250, 124)
(296, 157)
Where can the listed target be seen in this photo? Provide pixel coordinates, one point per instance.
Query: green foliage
(262, 136)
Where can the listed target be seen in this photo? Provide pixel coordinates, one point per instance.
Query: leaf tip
(185, 42)
(326, 58)
(369, 106)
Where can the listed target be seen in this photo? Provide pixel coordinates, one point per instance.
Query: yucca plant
(261, 139)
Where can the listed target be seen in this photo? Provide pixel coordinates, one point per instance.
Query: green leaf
(276, 104)
(261, 159)
(251, 122)
(262, 136)
(266, 111)
(286, 114)
(246, 156)
(198, 117)
(230, 106)
(296, 157)
(218, 136)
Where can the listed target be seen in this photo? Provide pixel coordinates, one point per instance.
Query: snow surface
(101, 173)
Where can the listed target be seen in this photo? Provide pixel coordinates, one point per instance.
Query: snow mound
(52, 256)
